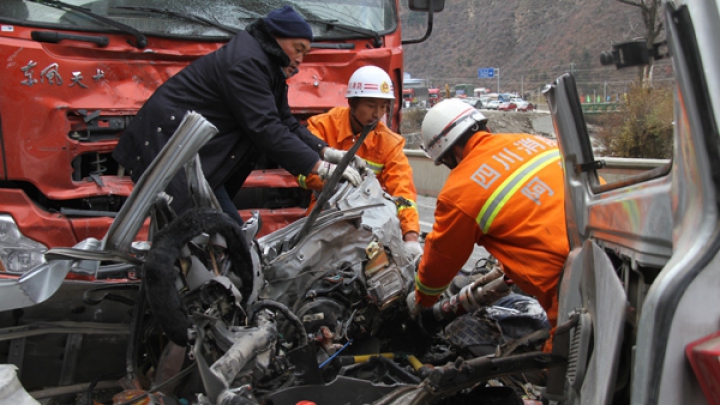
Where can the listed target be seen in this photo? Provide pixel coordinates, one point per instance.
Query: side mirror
(429, 6)
(424, 5)
(634, 53)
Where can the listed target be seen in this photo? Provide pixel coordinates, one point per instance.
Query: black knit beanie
(287, 23)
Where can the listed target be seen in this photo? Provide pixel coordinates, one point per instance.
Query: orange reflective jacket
(506, 194)
(383, 152)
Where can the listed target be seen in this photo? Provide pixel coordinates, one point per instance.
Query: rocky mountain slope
(531, 42)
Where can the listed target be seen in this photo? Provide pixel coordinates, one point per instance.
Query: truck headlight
(18, 254)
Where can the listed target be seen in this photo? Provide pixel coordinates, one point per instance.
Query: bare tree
(651, 11)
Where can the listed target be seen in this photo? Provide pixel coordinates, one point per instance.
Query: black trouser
(227, 204)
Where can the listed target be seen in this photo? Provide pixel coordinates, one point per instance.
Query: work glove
(333, 155)
(326, 170)
(413, 250)
(413, 308)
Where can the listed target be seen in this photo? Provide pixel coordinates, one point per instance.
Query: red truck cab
(433, 97)
(408, 96)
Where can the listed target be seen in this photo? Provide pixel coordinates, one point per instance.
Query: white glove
(326, 170)
(333, 156)
(413, 250)
(410, 301)
(413, 308)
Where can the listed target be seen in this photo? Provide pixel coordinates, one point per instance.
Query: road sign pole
(497, 73)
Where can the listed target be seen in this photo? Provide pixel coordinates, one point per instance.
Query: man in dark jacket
(241, 89)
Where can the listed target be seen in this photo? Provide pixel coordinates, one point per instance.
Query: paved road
(426, 207)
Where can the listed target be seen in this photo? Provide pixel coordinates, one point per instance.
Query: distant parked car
(473, 101)
(507, 106)
(492, 104)
(523, 105)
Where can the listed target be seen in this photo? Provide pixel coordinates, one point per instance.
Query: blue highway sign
(486, 73)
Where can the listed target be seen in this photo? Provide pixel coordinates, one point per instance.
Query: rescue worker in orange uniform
(369, 94)
(504, 192)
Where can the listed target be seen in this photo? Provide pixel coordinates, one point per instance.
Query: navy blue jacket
(241, 89)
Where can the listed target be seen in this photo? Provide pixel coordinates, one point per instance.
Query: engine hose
(159, 267)
(363, 358)
(276, 306)
(412, 360)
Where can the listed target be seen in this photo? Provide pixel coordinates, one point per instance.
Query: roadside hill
(531, 42)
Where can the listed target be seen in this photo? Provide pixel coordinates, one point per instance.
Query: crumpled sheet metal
(357, 216)
(42, 282)
(193, 132)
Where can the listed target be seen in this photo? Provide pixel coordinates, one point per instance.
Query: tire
(159, 267)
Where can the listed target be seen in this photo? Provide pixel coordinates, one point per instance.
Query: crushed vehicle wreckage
(209, 314)
(92, 325)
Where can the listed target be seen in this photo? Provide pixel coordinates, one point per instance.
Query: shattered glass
(161, 17)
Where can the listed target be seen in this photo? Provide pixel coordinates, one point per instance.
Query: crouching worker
(504, 192)
(369, 94)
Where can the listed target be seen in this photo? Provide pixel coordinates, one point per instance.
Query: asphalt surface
(426, 207)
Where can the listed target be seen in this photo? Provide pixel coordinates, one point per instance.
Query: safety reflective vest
(506, 194)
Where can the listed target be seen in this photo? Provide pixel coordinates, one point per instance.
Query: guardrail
(599, 108)
(429, 179)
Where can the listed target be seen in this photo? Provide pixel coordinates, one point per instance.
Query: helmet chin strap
(353, 118)
(450, 160)
(357, 121)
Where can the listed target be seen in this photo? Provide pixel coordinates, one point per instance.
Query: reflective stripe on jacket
(507, 194)
(383, 152)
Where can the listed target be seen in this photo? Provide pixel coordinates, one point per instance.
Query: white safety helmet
(370, 81)
(445, 123)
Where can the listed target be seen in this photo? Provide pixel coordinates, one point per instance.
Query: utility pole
(605, 92)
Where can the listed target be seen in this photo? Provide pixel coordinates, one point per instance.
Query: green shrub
(643, 126)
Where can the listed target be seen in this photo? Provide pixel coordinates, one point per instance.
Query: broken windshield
(199, 17)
